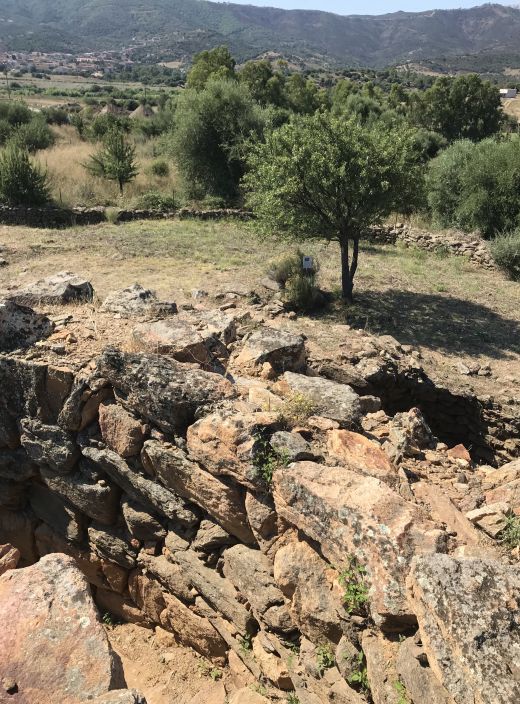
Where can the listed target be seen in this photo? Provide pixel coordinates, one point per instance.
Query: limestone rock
(58, 289)
(222, 501)
(21, 326)
(160, 389)
(211, 693)
(467, 612)
(136, 301)
(9, 558)
(120, 606)
(314, 592)
(192, 630)
(358, 453)
(251, 573)
(334, 401)
(145, 491)
(120, 430)
(350, 514)
(98, 498)
(508, 492)
(281, 349)
(51, 638)
(217, 323)
(49, 445)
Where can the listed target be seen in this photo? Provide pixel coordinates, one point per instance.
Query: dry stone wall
(264, 513)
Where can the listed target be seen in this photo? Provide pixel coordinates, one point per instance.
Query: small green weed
(511, 533)
(293, 699)
(214, 673)
(246, 643)
(359, 678)
(401, 692)
(112, 215)
(109, 619)
(324, 657)
(260, 689)
(266, 460)
(352, 579)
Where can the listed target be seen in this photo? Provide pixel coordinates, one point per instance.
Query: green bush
(281, 269)
(301, 292)
(21, 182)
(160, 168)
(444, 182)
(56, 116)
(6, 130)
(15, 113)
(34, 135)
(506, 253)
(153, 200)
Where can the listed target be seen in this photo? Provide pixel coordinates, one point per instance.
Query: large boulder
(469, 615)
(362, 455)
(52, 644)
(176, 338)
(351, 515)
(136, 301)
(58, 289)
(160, 389)
(280, 349)
(21, 326)
(337, 402)
(49, 445)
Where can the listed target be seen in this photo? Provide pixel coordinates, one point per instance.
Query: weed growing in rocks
(359, 678)
(324, 657)
(401, 692)
(267, 460)
(352, 579)
(293, 699)
(511, 533)
(296, 410)
(246, 643)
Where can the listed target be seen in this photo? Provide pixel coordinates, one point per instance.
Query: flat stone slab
(135, 300)
(58, 289)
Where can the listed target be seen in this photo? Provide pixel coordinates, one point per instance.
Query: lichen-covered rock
(362, 455)
(150, 493)
(51, 640)
(225, 443)
(147, 594)
(136, 301)
(353, 515)
(469, 620)
(224, 502)
(252, 574)
(292, 447)
(54, 290)
(211, 536)
(313, 589)
(262, 518)
(193, 630)
(418, 679)
(160, 389)
(331, 400)
(49, 445)
(96, 497)
(170, 575)
(140, 523)
(112, 544)
(57, 513)
(279, 348)
(120, 430)
(21, 326)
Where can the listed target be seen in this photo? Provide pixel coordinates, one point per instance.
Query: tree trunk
(347, 283)
(121, 184)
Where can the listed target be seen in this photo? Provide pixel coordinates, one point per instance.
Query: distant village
(93, 64)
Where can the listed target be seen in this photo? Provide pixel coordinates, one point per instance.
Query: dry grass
(72, 185)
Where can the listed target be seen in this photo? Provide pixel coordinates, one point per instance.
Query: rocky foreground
(209, 476)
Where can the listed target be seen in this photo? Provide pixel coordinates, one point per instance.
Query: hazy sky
(369, 7)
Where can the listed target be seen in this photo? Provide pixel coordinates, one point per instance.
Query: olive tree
(115, 161)
(325, 177)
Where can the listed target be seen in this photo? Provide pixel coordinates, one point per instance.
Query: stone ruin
(279, 513)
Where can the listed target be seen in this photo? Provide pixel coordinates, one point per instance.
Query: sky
(360, 7)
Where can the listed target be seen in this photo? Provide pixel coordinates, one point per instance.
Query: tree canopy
(325, 177)
(213, 63)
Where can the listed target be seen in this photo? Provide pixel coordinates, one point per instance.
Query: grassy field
(450, 309)
(72, 185)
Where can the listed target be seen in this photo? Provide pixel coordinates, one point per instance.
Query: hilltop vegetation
(180, 28)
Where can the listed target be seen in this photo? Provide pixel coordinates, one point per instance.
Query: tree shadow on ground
(442, 323)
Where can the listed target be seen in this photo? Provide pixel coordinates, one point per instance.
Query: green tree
(325, 177)
(465, 107)
(21, 182)
(115, 161)
(211, 128)
(266, 86)
(213, 63)
(444, 182)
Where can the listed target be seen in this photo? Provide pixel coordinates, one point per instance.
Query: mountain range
(172, 29)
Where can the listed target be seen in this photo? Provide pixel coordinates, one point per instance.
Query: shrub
(56, 116)
(511, 533)
(281, 269)
(15, 113)
(160, 168)
(34, 135)
(302, 293)
(324, 657)
(21, 182)
(506, 253)
(352, 579)
(112, 215)
(359, 678)
(6, 131)
(153, 200)
(296, 410)
(444, 182)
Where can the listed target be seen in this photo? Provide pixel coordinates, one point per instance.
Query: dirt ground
(450, 310)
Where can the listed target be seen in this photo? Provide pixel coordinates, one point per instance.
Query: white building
(506, 93)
